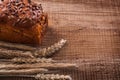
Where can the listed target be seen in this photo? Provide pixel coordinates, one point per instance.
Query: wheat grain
(32, 60)
(52, 77)
(42, 76)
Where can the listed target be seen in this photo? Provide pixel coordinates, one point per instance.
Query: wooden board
(93, 33)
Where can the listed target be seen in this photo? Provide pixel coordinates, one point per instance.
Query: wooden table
(92, 28)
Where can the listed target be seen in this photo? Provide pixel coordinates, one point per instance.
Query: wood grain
(93, 33)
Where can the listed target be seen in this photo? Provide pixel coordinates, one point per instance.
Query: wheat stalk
(46, 52)
(52, 77)
(38, 65)
(8, 54)
(16, 46)
(23, 71)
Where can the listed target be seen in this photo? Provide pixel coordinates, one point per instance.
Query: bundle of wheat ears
(32, 62)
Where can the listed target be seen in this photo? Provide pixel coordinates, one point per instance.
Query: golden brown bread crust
(23, 30)
(32, 35)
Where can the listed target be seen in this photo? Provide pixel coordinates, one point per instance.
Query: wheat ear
(46, 52)
(52, 77)
(32, 60)
(42, 76)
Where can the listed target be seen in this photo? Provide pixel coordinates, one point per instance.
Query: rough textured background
(92, 28)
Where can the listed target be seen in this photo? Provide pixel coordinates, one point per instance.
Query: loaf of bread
(22, 21)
